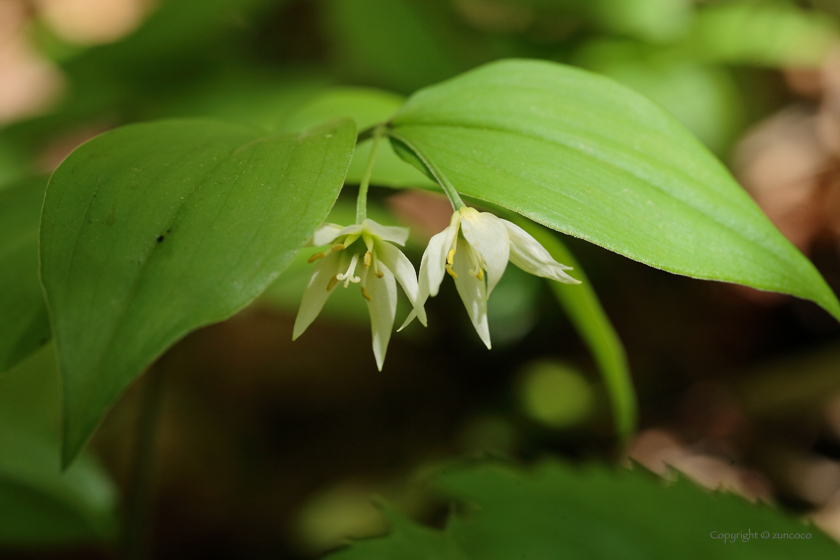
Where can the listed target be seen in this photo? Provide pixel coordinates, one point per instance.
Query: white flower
(487, 243)
(377, 264)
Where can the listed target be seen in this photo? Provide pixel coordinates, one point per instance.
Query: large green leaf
(24, 326)
(152, 230)
(41, 506)
(592, 513)
(592, 324)
(586, 156)
(704, 97)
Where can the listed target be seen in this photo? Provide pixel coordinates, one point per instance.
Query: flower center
(348, 277)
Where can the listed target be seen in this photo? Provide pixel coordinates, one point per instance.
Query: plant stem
(361, 202)
(135, 541)
(448, 188)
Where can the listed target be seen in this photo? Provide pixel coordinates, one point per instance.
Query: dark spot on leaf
(160, 238)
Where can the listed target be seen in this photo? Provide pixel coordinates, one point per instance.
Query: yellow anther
(450, 257)
(367, 259)
(332, 283)
(365, 294)
(315, 257)
(480, 274)
(451, 272)
(338, 247)
(379, 274)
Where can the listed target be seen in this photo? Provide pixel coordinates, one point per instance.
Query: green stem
(453, 195)
(439, 177)
(361, 202)
(135, 540)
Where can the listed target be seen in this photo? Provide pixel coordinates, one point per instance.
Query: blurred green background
(272, 449)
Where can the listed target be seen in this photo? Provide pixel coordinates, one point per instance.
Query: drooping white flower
(486, 245)
(374, 264)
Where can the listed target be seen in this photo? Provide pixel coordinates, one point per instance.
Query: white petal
(394, 234)
(324, 235)
(316, 293)
(434, 259)
(351, 229)
(487, 235)
(527, 253)
(397, 263)
(382, 308)
(433, 266)
(473, 293)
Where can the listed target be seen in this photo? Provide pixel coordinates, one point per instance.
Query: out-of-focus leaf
(586, 156)
(407, 541)
(704, 98)
(246, 96)
(24, 326)
(398, 44)
(772, 33)
(41, 506)
(150, 231)
(180, 26)
(591, 513)
(179, 52)
(585, 312)
(652, 20)
(367, 107)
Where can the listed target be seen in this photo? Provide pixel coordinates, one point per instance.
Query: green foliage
(559, 511)
(150, 231)
(41, 506)
(704, 97)
(368, 107)
(24, 326)
(585, 156)
(771, 33)
(399, 43)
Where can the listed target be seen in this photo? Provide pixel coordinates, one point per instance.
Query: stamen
(478, 263)
(379, 274)
(348, 276)
(337, 247)
(365, 294)
(315, 257)
(451, 272)
(450, 257)
(332, 283)
(367, 259)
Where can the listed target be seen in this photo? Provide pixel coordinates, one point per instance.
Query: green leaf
(407, 541)
(705, 98)
(591, 513)
(153, 230)
(585, 156)
(368, 107)
(653, 20)
(41, 505)
(588, 317)
(399, 44)
(769, 33)
(24, 326)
